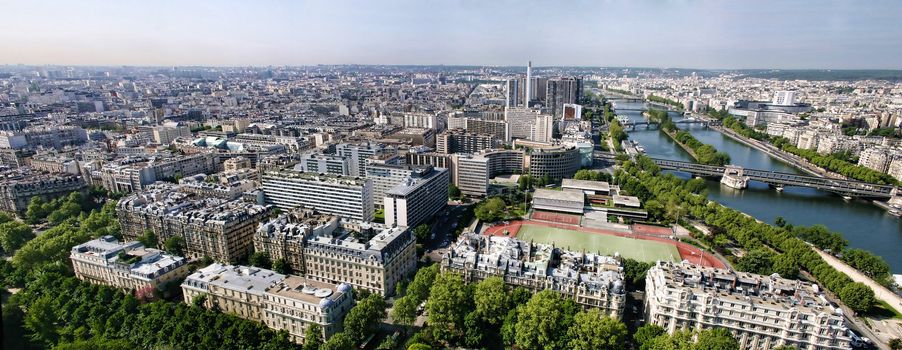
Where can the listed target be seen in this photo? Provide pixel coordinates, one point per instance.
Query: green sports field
(642, 250)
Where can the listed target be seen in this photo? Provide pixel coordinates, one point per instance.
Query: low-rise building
(762, 312)
(129, 265)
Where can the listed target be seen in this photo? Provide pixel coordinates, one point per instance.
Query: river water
(864, 225)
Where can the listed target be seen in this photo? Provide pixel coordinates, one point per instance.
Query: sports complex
(637, 241)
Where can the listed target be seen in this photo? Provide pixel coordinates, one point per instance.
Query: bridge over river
(738, 177)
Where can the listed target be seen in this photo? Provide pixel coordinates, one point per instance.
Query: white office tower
(526, 95)
(520, 120)
(785, 98)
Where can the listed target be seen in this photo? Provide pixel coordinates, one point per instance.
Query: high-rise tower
(528, 82)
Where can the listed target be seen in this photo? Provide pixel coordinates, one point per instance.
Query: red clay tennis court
(569, 219)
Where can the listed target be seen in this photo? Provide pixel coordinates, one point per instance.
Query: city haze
(688, 34)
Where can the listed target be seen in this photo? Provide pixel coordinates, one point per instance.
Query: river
(864, 225)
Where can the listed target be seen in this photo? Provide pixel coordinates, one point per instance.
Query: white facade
(417, 198)
(344, 197)
(520, 121)
(762, 312)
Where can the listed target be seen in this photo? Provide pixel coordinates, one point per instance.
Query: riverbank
(787, 158)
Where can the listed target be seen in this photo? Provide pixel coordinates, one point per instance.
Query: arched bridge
(848, 188)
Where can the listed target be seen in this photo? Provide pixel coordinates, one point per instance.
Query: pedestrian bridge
(739, 177)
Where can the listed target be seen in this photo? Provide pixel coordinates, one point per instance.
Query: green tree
(149, 239)
(490, 297)
(281, 266)
(405, 310)
(13, 235)
(490, 210)
(448, 304)
(422, 232)
(175, 245)
(453, 191)
(543, 322)
(36, 210)
(758, 261)
(858, 296)
(364, 318)
(474, 330)
(895, 344)
(338, 341)
(313, 337)
(716, 339)
(786, 266)
(593, 330)
(260, 259)
(646, 333)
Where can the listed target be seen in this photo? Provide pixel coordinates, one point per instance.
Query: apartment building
(592, 281)
(128, 266)
(341, 196)
(18, 186)
(375, 264)
(462, 141)
(211, 227)
(419, 196)
(296, 303)
(285, 236)
(282, 302)
(762, 312)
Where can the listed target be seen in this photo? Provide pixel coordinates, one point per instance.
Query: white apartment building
(520, 121)
(875, 158)
(232, 289)
(295, 303)
(375, 264)
(168, 132)
(125, 265)
(591, 280)
(762, 312)
(417, 198)
(341, 196)
(542, 129)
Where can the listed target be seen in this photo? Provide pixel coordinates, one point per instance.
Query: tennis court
(638, 249)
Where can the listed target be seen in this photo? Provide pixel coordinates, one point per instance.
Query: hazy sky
(691, 34)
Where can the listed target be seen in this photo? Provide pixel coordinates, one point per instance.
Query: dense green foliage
(13, 234)
(872, 265)
(421, 232)
(704, 154)
(665, 101)
(593, 175)
(733, 227)
(60, 309)
(742, 129)
(617, 134)
(490, 315)
(490, 210)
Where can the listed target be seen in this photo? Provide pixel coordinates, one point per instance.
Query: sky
(779, 34)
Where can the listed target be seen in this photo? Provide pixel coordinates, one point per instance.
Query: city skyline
(684, 34)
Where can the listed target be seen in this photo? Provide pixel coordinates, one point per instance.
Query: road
(442, 230)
